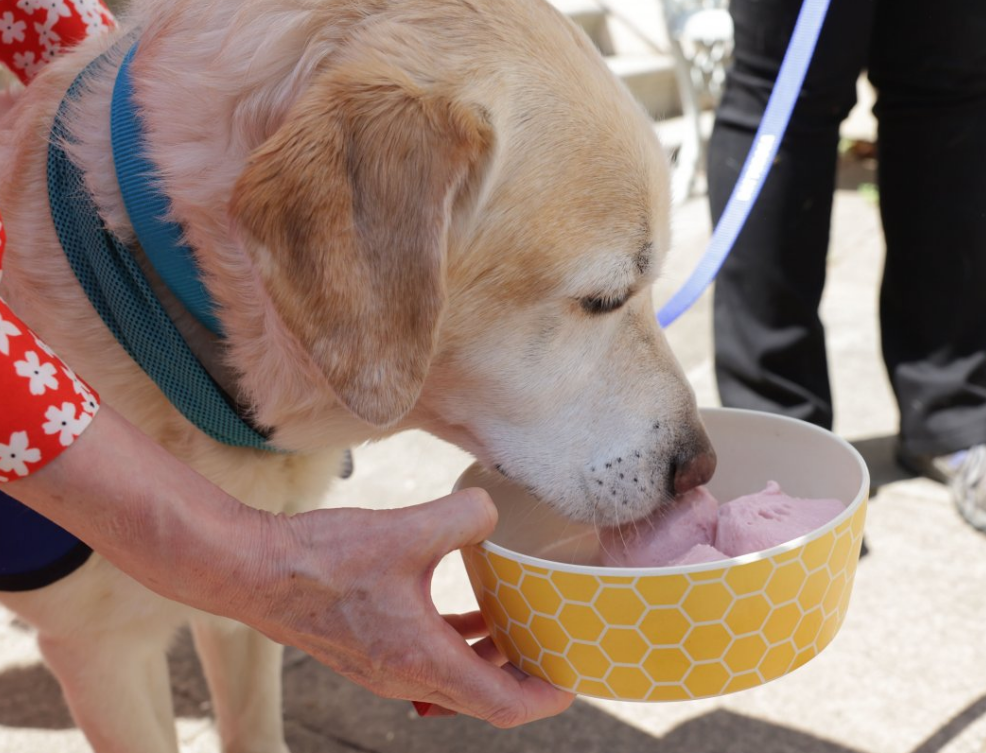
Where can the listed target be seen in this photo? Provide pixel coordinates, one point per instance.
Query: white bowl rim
(724, 564)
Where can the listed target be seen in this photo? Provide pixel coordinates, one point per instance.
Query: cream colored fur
(404, 211)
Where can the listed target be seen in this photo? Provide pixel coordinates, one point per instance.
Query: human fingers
(503, 695)
(469, 625)
(476, 680)
(443, 525)
(487, 651)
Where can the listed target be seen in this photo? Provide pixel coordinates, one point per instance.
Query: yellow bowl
(676, 633)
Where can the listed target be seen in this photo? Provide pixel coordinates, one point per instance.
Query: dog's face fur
(487, 234)
(553, 369)
(423, 214)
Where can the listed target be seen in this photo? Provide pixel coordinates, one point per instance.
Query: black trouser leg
(769, 342)
(928, 62)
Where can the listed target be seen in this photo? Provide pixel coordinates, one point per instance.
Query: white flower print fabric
(44, 406)
(40, 376)
(33, 32)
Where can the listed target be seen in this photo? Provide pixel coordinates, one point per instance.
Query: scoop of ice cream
(695, 528)
(671, 533)
(760, 521)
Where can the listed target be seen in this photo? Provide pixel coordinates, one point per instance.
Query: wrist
(238, 565)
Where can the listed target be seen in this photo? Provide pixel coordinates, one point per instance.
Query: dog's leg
(243, 669)
(118, 690)
(105, 637)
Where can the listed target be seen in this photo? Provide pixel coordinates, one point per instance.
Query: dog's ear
(346, 210)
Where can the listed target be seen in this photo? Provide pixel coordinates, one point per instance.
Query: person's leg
(769, 342)
(929, 66)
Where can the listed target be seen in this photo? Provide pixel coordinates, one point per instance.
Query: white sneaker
(964, 472)
(969, 486)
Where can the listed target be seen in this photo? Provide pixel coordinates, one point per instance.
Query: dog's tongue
(696, 528)
(666, 536)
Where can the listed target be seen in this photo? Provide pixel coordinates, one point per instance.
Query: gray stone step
(588, 15)
(649, 74)
(651, 79)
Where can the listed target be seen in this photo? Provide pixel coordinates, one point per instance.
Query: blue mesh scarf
(34, 552)
(114, 282)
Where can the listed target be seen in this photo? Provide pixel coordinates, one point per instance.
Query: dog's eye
(601, 304)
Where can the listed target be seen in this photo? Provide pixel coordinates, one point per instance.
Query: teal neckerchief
(148, 208)
(114, 282)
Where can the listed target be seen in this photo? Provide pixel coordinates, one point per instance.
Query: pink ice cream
(760, 521)
(669, 534)
(696, 528)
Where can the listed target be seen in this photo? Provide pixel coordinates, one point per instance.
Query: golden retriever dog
(442, 214)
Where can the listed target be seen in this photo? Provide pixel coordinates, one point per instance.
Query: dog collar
(117, 288)
(147, 206)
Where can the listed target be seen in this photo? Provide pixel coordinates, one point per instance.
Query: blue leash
(783, 98)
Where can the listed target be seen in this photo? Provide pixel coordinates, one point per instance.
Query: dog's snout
(694, 467)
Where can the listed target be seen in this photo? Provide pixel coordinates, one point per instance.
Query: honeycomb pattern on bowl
(669, 637)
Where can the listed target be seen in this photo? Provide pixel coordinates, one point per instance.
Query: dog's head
(458, 219)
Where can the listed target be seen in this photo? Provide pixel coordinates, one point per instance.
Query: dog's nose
(694, 468)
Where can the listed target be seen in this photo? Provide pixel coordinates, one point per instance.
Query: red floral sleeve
(32, 32)
(44, 406)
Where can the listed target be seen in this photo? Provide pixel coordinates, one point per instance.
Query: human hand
(349, 586)
(352, 588)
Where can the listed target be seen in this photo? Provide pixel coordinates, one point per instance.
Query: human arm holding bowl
(351, 587)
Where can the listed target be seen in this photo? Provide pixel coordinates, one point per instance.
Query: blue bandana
(113, 280)
(34, 552)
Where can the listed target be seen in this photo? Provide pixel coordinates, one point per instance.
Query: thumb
(462, 518)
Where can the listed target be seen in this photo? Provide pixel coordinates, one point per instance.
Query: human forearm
(152, 516)
(349, 586)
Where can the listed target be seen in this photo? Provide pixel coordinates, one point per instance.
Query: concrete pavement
(906, 674)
